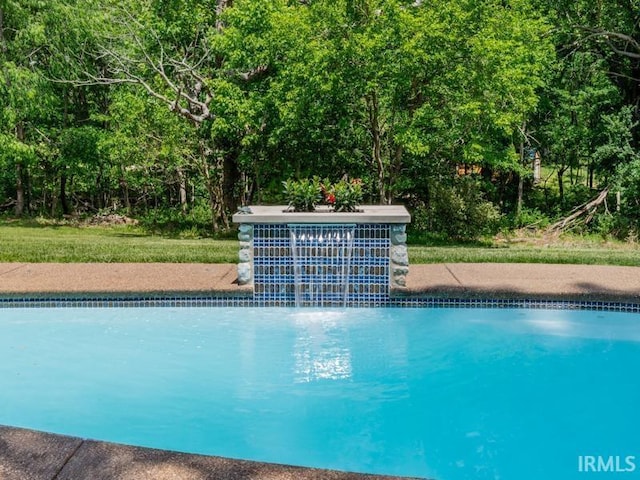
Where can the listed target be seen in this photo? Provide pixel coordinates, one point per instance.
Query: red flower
(330, 198)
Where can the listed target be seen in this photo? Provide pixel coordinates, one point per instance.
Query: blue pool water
(444, 393)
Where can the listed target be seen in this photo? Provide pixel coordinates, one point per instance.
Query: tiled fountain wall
(379, 263)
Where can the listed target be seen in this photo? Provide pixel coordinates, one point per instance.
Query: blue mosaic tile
(357, 302)
(319, 269)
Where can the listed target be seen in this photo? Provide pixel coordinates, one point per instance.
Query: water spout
(321, 263)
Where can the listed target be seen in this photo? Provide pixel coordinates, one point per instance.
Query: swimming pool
(442, 393)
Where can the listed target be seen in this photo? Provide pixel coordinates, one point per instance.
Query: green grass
(38, 242)
(66, 244)
(589, 255)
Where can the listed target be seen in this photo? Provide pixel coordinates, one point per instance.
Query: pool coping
(474, 283)
(27, 454)
(32, 455)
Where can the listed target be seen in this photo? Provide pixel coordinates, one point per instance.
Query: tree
(166, 48)
(27, 104)
(393, 91)
(151, 152)
(588, 121)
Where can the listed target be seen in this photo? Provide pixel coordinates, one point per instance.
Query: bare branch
(252, 74)
(627, 77)
(221, 5)
(136, 54)
(611, 37)
(587, 209)
(3, 43)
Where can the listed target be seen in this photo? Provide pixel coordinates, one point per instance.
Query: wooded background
(476, 114)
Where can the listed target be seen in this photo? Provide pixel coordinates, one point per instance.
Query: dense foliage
(477, 114)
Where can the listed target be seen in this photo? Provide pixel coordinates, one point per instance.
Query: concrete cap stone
(277, 214)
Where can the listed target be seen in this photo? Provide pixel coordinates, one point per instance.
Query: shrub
(460, 211)
(194, 223)
(344, 196)
(303, 195)
(530, 217)
(625, 223)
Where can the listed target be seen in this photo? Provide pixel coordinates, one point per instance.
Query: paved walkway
(28, 455)
(583, 282)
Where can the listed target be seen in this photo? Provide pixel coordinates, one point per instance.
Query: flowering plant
(344, 196)
(303, 195)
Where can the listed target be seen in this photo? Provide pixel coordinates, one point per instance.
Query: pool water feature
(376, 250)
(441, 393)
(321, 264)
(309, 278)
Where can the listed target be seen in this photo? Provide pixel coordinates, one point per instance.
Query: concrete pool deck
(30, 455)
(538, 281)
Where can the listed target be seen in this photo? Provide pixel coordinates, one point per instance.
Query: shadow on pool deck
(529, 281)
(536, 281)
(29, 455)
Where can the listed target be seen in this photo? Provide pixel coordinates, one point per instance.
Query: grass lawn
(584, 254)
(33, 242)
(66, 244)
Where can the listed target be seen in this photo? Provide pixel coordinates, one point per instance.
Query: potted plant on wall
(345, 195)
(302, 195)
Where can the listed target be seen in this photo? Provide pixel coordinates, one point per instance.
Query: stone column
(399, 256)
(245, 255)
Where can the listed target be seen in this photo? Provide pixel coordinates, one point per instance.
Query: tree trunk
(54, 201)
(64, 202)
(232, 181)
(212, 167)
(125, 190)
(520, 194)
(183, 190)
(19, 190)
(373, 108)
(102, 192)
(3, 42)
(560, 184)
(19, 174)
(537, 161)
(219, 182)
(221, 6)
(395, 171)
(520, 174)
(213, 206)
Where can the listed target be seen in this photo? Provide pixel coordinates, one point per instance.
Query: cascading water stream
(321, 263)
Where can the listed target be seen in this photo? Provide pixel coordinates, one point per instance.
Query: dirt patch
(110, 219)
(553, 239)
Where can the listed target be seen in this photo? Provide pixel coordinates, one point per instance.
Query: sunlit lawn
(107, 244)
(592, 255)
(22, 242)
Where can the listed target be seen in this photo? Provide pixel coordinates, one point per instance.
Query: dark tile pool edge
(133, 300)
(29, 454)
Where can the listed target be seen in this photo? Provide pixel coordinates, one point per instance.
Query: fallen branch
(586, 209)
(8, 205)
